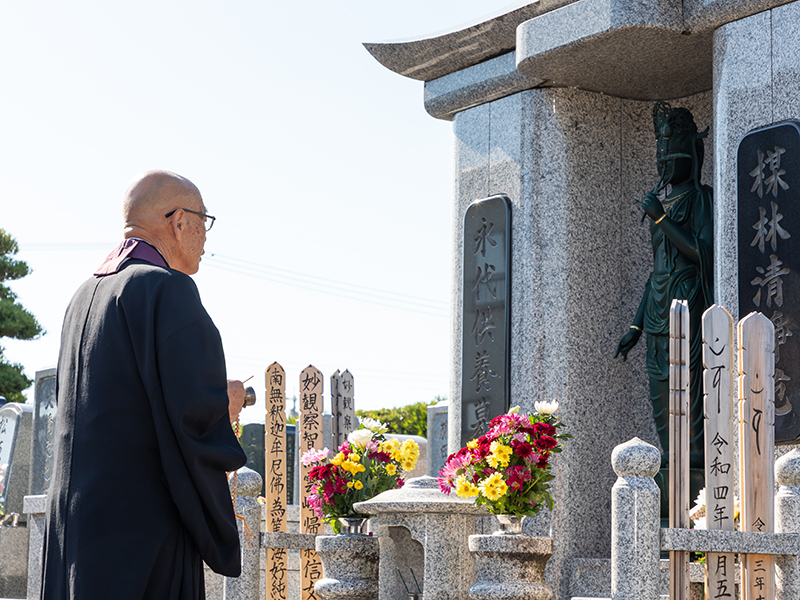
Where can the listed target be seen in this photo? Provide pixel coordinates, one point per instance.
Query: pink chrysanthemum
(314, 456)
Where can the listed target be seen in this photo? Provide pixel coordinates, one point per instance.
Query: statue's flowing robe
(143, 442)
(694, 283)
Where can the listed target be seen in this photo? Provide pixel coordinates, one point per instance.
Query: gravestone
(15, 455)
(252, 441)
(437, 437)
(768, 193)
(44, 427)
(15, 460)
(486, 317)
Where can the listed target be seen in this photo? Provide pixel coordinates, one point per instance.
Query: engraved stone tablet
(44, 429)
(485, 359)
(15, 456)
(768, 190)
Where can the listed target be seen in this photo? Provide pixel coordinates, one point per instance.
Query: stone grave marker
(15, 460)
(486, 322)
(718, 345)
(15, 455)
(437, 437)
(252, 441)
(757, 446)
(768, 197)
(44, 429)
(311, 436)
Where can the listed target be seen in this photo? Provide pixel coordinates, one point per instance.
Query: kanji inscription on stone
(485, 330)
(768, 194)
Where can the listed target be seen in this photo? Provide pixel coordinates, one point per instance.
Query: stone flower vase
(510, 567)
(349, 567)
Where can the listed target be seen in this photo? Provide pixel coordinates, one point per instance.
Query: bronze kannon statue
(682, 234)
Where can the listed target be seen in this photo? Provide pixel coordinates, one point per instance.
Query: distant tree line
(405, 420)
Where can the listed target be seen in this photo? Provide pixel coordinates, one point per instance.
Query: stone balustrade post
(635, 525)
(34, 507)
(787, 520)
(246, 586)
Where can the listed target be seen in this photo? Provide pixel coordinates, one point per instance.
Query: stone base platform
(591, 579)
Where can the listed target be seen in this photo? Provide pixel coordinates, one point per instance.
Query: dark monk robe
(139, 495)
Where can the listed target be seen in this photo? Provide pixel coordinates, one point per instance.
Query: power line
(401, 302)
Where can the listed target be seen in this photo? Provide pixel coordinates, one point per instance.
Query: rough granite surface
(419, 525)
(34, 507)
(510, 567)
(572, 163)
(349, 567)
(635, 505)
(479, 84)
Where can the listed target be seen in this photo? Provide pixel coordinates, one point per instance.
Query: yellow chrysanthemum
(472, 444)
(500, 456)
(408, 465)
(349, 484)
(465, 488)
(411, 447)
(358, 485)
(391, 468)
(493, 487)
(389, 445)
(338, 459)
(352, 467)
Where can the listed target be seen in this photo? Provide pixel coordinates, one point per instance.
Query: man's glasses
(209, 224)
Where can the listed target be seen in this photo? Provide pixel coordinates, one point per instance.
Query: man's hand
(235, 398)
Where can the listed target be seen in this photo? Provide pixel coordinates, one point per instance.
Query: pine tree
(15, 321)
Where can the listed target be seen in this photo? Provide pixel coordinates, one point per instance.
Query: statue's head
(679, 144)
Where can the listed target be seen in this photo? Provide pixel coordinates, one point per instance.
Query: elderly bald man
(139, 496)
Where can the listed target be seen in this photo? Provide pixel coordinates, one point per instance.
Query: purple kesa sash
(131, 248)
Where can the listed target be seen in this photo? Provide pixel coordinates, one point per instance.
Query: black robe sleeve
(190, 411)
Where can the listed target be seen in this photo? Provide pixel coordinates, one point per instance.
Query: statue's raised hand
(652, 206)
(627, 342)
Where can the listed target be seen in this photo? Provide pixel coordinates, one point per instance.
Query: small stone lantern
(424, 541)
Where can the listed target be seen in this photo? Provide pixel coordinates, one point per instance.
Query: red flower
(320, 472)
(546, 442)
(400, 482)
(522, 449)
(544, 428)
(383, 457)
(541, 460)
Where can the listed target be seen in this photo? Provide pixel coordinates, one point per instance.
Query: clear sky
(332, 185)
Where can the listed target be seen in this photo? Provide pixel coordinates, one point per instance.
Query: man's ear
(179, 226)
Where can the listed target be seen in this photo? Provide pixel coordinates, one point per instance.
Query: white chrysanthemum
(546, 408)
(701, 498)
(374, 425)
(360, 437)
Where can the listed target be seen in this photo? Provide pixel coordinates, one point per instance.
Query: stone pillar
(34, 507)
(247, 585)
(635, 528)
(756, 77)
(573, 163)
(787, 520)
(349, 567)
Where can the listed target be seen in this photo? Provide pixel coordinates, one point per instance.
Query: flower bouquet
(508, 470)
(366, 465)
